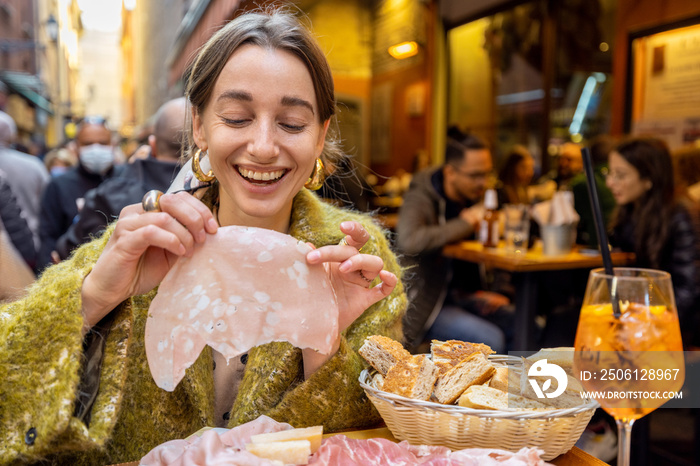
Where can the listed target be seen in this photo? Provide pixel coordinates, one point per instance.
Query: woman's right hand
(143, 247)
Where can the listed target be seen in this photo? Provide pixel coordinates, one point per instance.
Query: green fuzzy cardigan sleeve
(41, 351)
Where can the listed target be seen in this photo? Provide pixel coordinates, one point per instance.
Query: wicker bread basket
(426, 423)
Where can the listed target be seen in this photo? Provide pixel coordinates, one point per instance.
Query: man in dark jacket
(156, 171)
(14, 224)
(442, 207)
(64, 196)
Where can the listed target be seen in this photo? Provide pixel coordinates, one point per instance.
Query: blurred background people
(155, 171)
(600, 149)
(515, 176)
(64, 196)
(15, 224)
(26, 175)
(58, 161)
(17, 250)
(653, 222)
(447, 298)
(569, 164)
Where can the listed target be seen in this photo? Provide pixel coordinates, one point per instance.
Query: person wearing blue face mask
(59, 161)
(64, 196)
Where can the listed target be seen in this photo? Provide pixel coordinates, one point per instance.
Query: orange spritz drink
(629, 353)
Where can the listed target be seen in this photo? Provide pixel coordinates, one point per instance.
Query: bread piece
(521, 386)
(413, 378)
(313, 434)
(483, 397)
(382, 352)
(561, 356)
(447, 354)
(377, 381)
(292, 452)
(475, 369)
(499, 381)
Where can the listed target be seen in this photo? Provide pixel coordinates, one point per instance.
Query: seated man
(103, 204)
(441, 207)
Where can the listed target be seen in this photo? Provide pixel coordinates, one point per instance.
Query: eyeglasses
(93, 120)
(473, 175)
(616, 176)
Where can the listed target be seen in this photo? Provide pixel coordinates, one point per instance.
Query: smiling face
(262, 132)
(624, 181)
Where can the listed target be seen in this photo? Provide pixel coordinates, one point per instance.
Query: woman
(515, 177)
(651, 221)
(262, 101)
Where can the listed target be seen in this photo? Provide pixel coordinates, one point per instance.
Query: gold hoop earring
(315, 181)
(197, 170)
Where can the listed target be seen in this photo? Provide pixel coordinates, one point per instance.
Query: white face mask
(97, 158)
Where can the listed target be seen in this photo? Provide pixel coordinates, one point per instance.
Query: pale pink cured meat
(340, 450)
(215, 447)
(219, 447)
(242, 287)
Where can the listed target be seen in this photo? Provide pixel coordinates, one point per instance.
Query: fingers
(182, 222)
(360, 269)
(355, 234)
(135, 233)
(191, 213)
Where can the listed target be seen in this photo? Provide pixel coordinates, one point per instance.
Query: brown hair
(274, 28)
(652, 213)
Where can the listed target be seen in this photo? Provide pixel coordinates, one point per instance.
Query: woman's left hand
(352, 273)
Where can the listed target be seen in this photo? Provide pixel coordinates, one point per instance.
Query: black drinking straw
(600, 226)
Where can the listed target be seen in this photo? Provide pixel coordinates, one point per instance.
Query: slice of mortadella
(241, 288)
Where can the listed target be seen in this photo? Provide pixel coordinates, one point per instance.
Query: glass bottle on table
(627, 357)
(488, 229)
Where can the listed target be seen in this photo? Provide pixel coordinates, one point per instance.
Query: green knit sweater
(41, 352)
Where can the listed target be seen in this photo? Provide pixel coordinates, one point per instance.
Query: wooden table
(526, 270)
(574, 457)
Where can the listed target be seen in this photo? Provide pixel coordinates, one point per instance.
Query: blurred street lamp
(403, 50)
(52, 28)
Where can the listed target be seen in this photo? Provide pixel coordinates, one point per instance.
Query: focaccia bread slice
(475, 369)
(447, 354)
(484, 397)
(413, 378)
(561, 356)
(382, 352)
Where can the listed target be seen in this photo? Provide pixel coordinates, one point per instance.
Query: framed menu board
(663, 93)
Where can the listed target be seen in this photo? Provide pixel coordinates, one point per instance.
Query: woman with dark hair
(651, 221)
(515, 176)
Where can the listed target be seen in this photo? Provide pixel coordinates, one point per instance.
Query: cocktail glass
(628, 360)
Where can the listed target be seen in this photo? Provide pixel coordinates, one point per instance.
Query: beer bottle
(488, 229)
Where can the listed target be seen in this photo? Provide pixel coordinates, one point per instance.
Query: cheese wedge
(313, 434)
(289, 452)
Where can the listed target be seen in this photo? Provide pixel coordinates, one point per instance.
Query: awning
(28, 86)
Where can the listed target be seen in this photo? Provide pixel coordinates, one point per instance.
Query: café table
(574, 457)
(527, 270)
